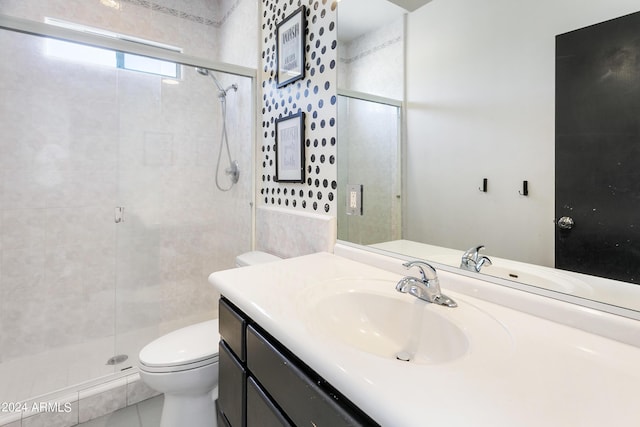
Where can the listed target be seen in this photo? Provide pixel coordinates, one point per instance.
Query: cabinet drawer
(261, 412)
(231, 387)
(295, 388)
(232, 328)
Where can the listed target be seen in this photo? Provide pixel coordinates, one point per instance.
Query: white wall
(480, 94)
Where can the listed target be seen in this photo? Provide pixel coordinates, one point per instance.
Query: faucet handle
(420, 264)
(424, 288)
(473, 253)
(482, 262)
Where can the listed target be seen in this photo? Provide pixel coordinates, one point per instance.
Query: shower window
(132, 62)
(110, 58)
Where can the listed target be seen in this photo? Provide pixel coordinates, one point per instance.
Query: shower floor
(30, 377)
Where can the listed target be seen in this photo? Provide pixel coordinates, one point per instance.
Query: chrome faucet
(427, 289)
(473, 261)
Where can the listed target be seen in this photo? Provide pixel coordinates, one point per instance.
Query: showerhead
(232, 170)
(205, 72)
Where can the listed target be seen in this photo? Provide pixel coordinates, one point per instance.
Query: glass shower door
(177, 227)
(110, 220)
(57, 235)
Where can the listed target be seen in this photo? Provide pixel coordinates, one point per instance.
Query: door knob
(565, 223)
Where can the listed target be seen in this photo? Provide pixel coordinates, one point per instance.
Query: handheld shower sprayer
(222, 92)
(233, 171)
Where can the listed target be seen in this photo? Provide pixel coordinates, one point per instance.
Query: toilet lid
(184, 346)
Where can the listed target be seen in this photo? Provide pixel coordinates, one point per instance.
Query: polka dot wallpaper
(314, 95)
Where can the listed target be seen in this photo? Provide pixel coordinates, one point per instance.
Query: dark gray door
(598, 149)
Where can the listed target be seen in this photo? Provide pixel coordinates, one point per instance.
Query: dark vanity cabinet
(262, 384)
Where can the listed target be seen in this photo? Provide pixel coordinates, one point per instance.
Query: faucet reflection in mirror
(473, 261)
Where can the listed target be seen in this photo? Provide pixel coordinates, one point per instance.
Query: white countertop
(551, 375)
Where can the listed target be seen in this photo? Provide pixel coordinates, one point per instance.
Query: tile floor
(144, 414)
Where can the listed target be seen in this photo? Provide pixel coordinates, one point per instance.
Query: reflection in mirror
(371, 87)
(371, 48)
(480, 103)
(369, 159)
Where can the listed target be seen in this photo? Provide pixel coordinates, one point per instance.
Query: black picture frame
(290, 153)
(290, 47)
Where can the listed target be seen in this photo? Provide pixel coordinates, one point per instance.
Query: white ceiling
(357, 17)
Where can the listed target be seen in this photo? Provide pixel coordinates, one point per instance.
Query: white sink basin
(385, 326)
(368, 315)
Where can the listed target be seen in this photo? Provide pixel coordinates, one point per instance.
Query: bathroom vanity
(263, 384)
(315, 339)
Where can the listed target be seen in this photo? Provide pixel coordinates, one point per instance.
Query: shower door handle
(119, 214)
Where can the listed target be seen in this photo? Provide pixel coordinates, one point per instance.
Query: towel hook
(525, 188)
(484, 185)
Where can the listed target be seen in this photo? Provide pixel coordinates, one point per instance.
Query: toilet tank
(255, 257)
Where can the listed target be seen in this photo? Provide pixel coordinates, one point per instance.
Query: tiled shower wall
(79, 140)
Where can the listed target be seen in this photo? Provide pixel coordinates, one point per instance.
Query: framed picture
(290, 47)
(290, 148)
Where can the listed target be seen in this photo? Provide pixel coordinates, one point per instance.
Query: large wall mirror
(476, 82)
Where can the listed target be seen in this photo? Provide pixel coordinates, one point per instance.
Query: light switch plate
(354, 199)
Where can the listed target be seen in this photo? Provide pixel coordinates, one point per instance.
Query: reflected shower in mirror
(369, 160)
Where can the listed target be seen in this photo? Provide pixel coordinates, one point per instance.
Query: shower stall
(110, 219)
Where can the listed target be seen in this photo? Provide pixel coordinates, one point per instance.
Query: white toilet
(183, 365)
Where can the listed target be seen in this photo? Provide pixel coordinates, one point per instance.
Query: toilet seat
(187, 348)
